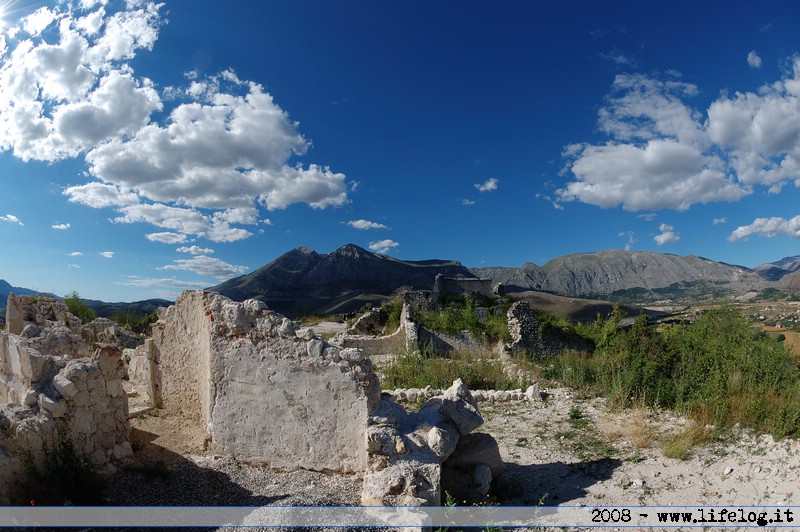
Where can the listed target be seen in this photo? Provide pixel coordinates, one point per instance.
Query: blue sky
(147, 148)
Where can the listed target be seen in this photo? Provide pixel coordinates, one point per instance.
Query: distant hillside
(774, 271)
(605, 272)
(134, 308)
(6, 288)
(102, 308)
(303, 281)
(789, 281)
(528, 277)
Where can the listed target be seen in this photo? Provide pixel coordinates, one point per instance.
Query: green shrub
(459, 314)
(135, 322)
(715, 369)
(79, 308)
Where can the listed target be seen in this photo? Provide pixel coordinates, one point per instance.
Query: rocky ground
(563, 450)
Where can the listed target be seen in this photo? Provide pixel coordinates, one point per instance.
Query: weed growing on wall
(66, 477)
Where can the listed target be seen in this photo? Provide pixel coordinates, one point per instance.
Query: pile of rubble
(413, 458)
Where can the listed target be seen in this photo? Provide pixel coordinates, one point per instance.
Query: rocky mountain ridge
(303, 281)
(605, 272)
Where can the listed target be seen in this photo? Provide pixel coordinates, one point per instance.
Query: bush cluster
(717, 369)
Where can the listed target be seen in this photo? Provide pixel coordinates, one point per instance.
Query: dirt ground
(563, 450)
(569, 451)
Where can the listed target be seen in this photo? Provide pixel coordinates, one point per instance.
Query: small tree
(78, 308)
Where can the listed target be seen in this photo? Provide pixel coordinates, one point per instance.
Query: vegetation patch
(717, 368)
(458, 313)
(479, 371)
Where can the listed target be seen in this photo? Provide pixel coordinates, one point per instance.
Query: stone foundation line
(411, 395)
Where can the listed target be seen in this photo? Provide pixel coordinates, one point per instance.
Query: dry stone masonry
(54, 392)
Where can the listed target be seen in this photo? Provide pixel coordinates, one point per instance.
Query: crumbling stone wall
(460, 286)
(49, 398)
(529, 336)
(262, 389)
(523, 327)
(52, 391)
(41, 311)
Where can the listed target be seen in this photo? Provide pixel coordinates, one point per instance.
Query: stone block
(442, 440)
(110, 361)
(114, 388)
(306, 334)
(98, 458)
(55, 408)
(65, 387)
(315, 347)
(474, 449)
(352, 354)
(122, 451)
(83, 421)
(31, 398)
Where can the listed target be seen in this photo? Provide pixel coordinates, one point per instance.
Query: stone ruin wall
(260, 388)
(54, 397)
(460, 286)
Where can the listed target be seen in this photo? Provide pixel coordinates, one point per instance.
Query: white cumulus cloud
(767, 227)
(207, 267)
(663, 154)
(60, 227)
(68, 89)
(753, 59)
(365, 225)
(107, 254)
(488, 185)
(194, 250)
(383, 246)
(11, 219)
(667, 235)
(166, 238)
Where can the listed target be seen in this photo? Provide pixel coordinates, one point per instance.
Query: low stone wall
(262, 389)
(412, 395)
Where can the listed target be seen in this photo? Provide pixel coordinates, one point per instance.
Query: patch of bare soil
(568, 451)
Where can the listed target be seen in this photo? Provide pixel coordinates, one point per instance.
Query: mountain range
(102, 308)
(605, 272)
(303, 281)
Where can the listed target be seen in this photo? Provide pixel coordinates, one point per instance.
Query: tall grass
(716, 369)
(479, 371)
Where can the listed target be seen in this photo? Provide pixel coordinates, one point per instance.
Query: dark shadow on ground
(550, 484)
(159, 477)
